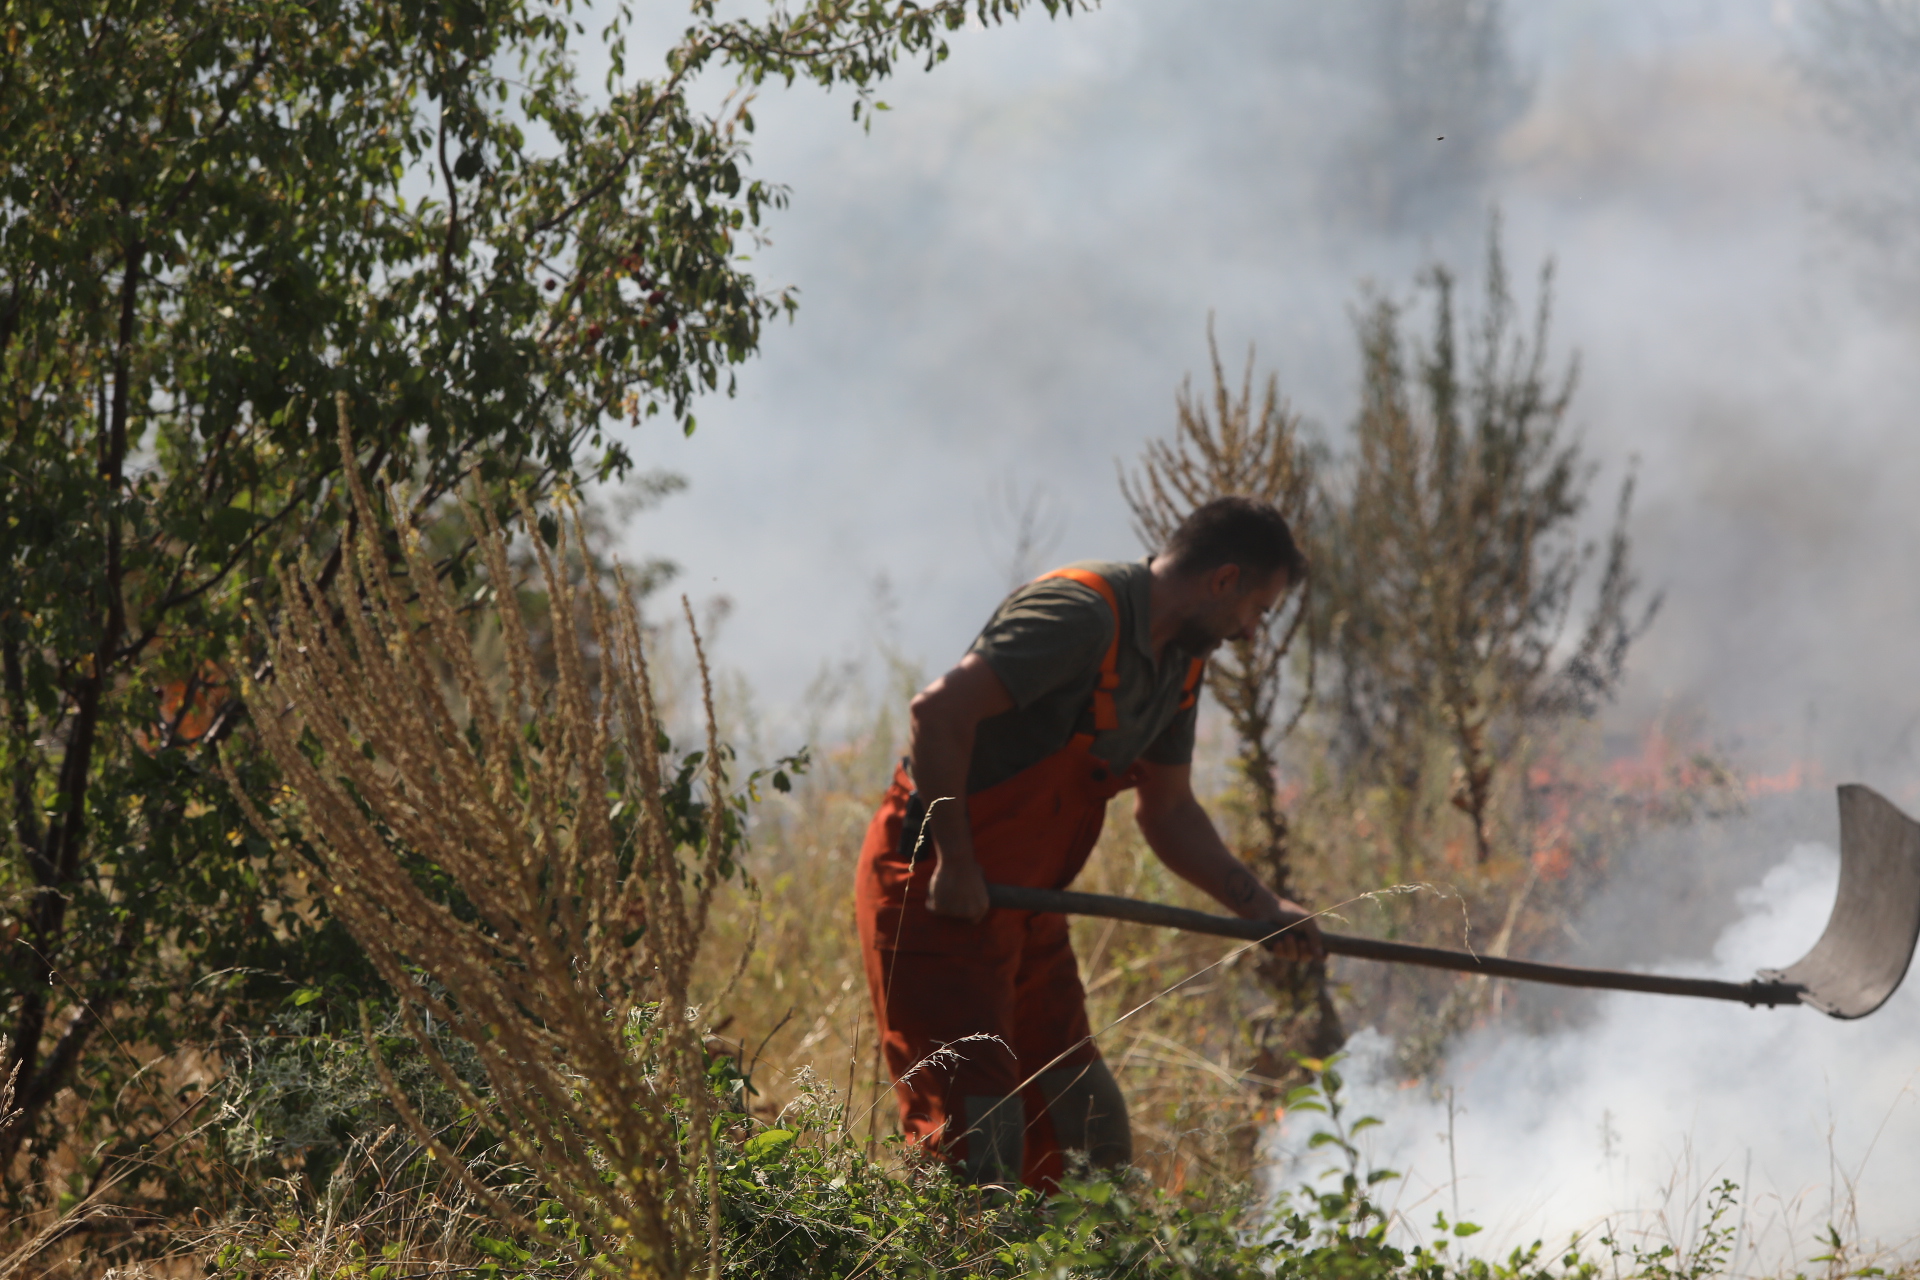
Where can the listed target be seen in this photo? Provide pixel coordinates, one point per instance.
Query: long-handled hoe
(1858, 962)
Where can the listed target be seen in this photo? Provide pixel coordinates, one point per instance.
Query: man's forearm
(944, 718)
(1185, 839)
(942, 749)
(940, 753)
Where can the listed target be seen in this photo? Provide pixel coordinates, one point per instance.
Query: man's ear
(1223, 581)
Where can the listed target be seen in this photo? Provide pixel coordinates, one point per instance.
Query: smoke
(1623, 1124)
(1003, 284)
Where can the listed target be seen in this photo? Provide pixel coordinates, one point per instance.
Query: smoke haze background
(1005, 281)
(1622, 1125)
(1003, 284)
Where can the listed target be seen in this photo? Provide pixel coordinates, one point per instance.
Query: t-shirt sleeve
(1174, 745)
(1048, 635)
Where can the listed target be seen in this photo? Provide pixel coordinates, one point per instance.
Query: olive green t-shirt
(1046, 643)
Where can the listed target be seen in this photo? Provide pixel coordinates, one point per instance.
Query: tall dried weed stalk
(565, 951)
(1237, 452)
(1241, 451)
(1465, 624)
(1451, 561)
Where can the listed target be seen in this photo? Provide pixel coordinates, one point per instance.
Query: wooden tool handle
(1067, 902)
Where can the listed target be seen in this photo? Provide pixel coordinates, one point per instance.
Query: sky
(1005, 281)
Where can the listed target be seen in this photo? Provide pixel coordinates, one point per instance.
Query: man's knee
(1088, 1113)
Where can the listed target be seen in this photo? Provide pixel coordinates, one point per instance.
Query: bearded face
(1237, 614)
(1200, 635)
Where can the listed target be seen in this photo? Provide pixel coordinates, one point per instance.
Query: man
(1082, 685)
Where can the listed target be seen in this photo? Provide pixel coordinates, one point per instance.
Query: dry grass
(800, 1008)
(508, 858)
(1188, 1062)
(1201, 1062)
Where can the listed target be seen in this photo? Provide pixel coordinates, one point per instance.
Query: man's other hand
(1300, 943)
(958, 890)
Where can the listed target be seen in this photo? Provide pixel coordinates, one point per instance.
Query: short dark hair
(1239, 531)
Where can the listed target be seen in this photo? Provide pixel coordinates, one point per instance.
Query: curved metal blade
(1869, 940)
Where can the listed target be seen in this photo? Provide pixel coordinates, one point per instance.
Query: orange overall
(1002, 996)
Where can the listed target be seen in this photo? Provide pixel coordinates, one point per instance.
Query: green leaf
(231, 524)
(505, 1250)
(769, 1146)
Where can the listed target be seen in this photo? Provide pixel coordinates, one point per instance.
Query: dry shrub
(1240, 451)
(1236, 451)
(1450, 559)
(565, 951)
(1449, 566)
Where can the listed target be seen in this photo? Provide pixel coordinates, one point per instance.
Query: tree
(214, 217)
(1450, 558)
(1237, 451)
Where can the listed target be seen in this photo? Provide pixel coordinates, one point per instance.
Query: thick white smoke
(1004, 283)
(1624, 1124)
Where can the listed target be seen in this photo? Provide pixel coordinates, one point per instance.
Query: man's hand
(1301, 942)
(1299, 945)
(958, 889)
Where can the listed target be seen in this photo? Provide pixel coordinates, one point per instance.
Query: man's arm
(945, 715)
(1181, 835)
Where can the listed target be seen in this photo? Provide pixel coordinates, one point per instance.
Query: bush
(800, 1196)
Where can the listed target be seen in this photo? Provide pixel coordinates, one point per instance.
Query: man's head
(1235, 558)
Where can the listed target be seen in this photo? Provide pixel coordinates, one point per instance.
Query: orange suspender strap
(1190, 692)
(1105, 715)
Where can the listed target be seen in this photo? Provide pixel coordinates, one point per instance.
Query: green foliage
(1127, 1227)
(214, 217)
(1711, 1251)
(800, 1196)
(306, 1094)
(687, 808)
(855, 42)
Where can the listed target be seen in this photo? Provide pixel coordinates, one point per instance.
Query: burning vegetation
(362, 917)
